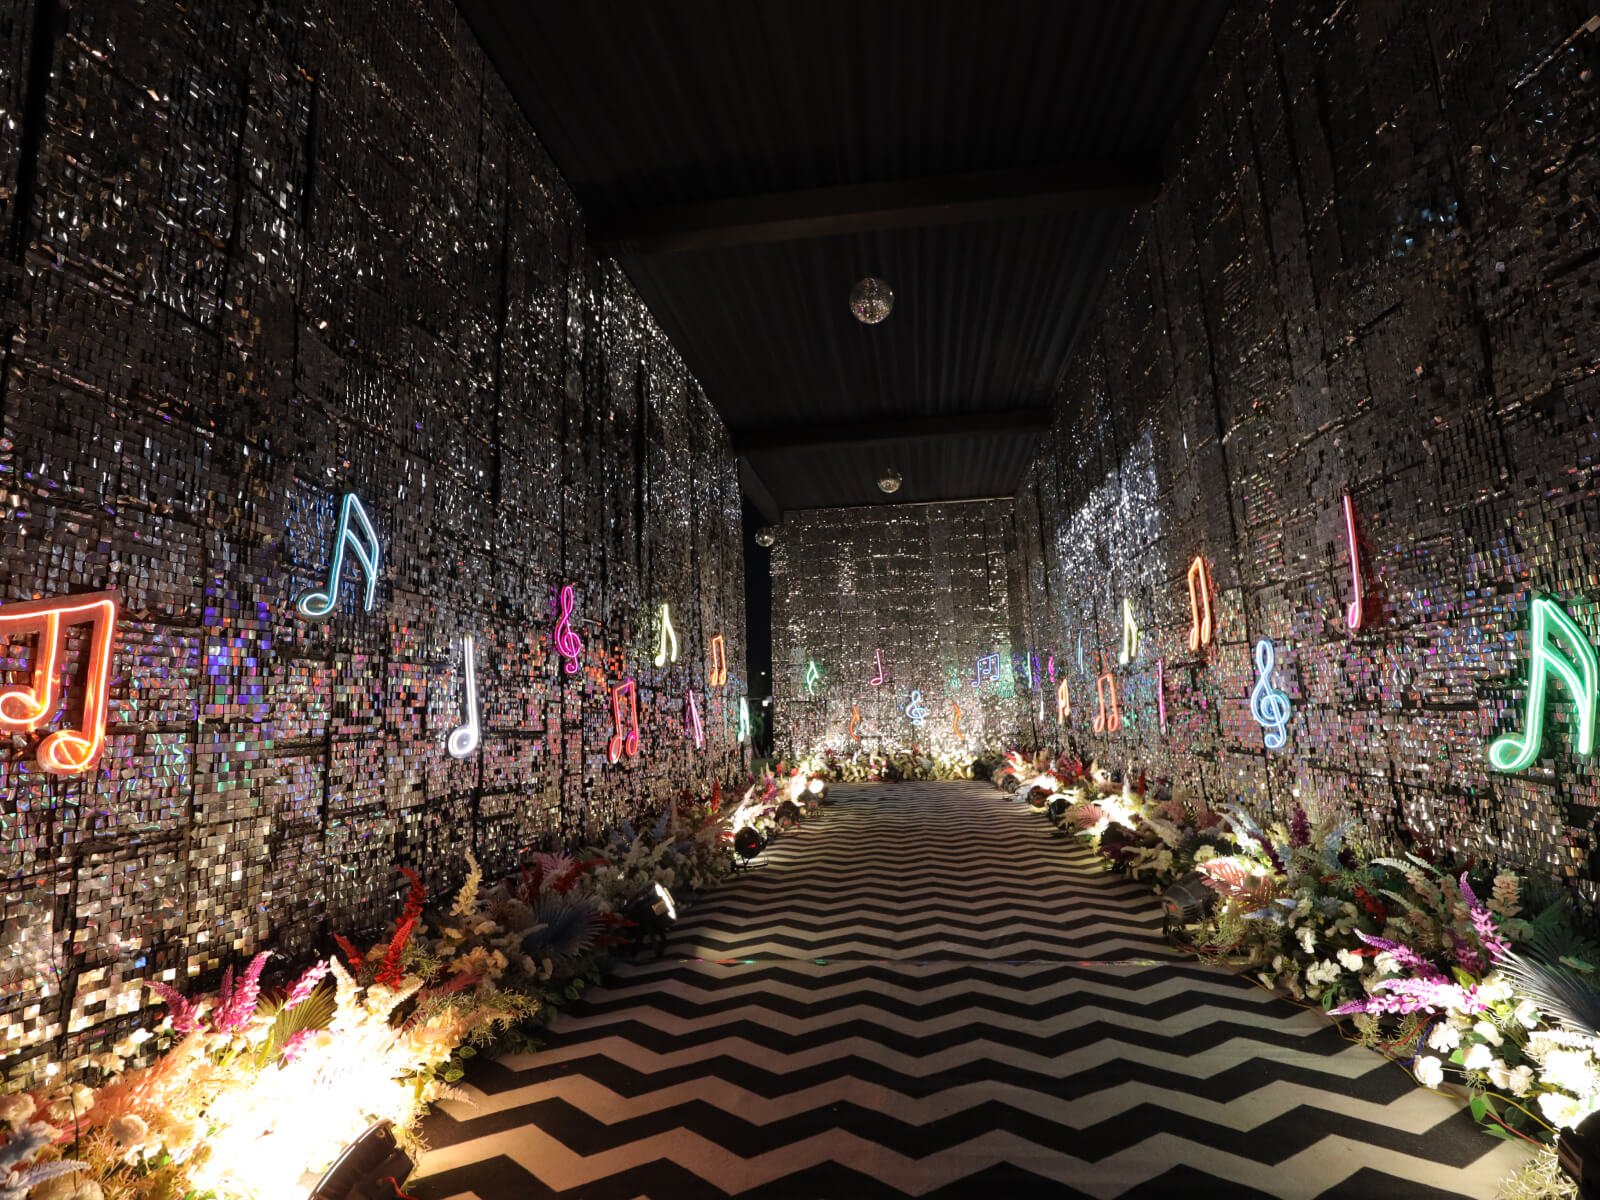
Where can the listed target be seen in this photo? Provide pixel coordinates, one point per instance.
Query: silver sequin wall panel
(925, 591)
(270, 254)
(1373, 271)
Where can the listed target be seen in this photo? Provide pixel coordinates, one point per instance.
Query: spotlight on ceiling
(651, 910)
(871, 299)
(765, 537)
(889, 481)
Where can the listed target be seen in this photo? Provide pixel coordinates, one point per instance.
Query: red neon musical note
(1199, 603)
(1354, 614)
(1107, 719)
(719, 663)
(568, 644)
(877, 680)
(621, 741)
(24, 709)
(855, 719)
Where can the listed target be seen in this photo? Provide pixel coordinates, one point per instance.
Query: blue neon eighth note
(318, 605)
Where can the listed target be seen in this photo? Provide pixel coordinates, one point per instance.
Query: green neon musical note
(1514, 752)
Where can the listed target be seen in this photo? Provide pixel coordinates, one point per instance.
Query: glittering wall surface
(1374, 269)
(259, 256)
(925, 590)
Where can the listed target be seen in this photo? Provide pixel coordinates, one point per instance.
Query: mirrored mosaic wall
(262, 256)
(919, 597)
(1373, 272)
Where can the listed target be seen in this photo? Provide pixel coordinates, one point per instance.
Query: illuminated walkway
(931, 992)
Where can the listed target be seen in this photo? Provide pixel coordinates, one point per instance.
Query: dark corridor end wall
(1374, 270)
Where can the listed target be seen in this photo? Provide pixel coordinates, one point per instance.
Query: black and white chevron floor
(929, 992)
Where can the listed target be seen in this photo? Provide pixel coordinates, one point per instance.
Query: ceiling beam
(870, 207)
(864, 433)
(755, 487)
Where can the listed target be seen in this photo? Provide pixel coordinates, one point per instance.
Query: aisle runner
(930, 992)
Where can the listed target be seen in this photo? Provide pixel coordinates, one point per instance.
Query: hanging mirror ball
(765, 537)
(889, 481)
(871, 299)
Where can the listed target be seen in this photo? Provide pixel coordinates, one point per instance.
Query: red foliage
(351, 954)
(415, 898)
(391, 973)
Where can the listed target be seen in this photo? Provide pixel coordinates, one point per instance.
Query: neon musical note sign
(955, 725)
(744, 719)
(1576, 668)
(691, 720)
(1080, 652)
(1161, 693)
(915, 710)
(813, 674)
(719, 663)
(1130, 634)
(1268, 705)
(1063, 703)
(668, 633)
(626, 737)
(25, 708)
(568, 644)
(318, 605)
(855, 719)
(1354, 614)
(877, 680)
(987, 666)
(1051, 669)
(1199, 604)
(1109, 717)
(463, 740)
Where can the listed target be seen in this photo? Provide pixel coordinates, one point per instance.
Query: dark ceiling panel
(649, 106)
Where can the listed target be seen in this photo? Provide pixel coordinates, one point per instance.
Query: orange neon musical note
(719, 663)
(1063, 703)
(1199, 603)
(624, 739)
(955, 727)
(855, 719)
(24, 709)
(1108, 719)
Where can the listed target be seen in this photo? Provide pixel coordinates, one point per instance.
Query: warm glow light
(1108, 719)
(1199, 604)
(568, 644)
(24, 708)
(1130, 634)
(719, 662)
(669, 636)
(815, 787)
(877, 680)
(691, 720)
(1354, 614)
(1063, 703)
(625, 721)
(318, 605)
(1268, 706)
(916, 711)
(464, 739)
(1577, 671)
(664, 902)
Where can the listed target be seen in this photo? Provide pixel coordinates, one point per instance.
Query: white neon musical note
(463, 740)
(691, 720)
(318, 605)
(1354, 614)
(877, 680)
(668, 634)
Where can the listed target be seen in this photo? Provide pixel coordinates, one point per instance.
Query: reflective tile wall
(259, 257)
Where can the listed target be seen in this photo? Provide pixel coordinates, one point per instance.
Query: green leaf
(1480, 1104)
(1496, 1131)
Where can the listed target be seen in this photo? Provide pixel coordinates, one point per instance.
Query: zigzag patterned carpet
(930, 992)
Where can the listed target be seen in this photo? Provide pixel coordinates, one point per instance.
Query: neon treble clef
(568, 644)
(916, 711)
(1268, 705)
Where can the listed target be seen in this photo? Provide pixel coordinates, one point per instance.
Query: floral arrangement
(898, 766)
(251, 1092)
(1437, 963)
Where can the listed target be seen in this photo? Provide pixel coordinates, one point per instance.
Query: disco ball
(765, 537)
(871, 299)
(889, 481)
